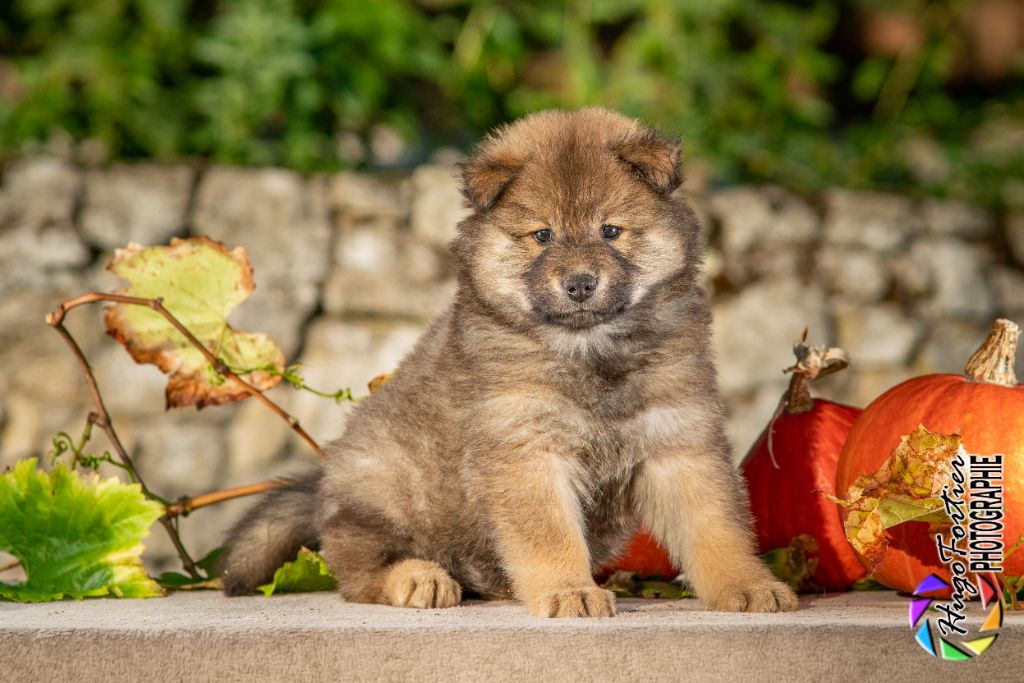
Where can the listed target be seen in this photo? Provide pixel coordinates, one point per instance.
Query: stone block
(876, 221)
(854, 273)
(763, 232)
(37, 235)
(881, 336)
(282, 221)
(144, 203)
(437, 204)
(957, 219)
(949, 345)
(754, 331)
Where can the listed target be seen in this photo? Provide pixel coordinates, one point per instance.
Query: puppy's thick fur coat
(567, 395)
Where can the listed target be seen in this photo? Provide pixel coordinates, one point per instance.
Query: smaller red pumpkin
(643, 556)
(793, 464)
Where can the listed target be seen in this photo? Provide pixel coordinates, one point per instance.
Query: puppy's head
(574, 220)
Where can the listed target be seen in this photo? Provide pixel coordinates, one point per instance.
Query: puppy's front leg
(535, 513)
(694, 503)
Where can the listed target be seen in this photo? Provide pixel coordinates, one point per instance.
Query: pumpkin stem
(812, 362)
(993, 362)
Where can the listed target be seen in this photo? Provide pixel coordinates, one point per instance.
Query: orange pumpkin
(985, 406)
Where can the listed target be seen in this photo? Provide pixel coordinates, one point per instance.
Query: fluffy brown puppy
(567, 395)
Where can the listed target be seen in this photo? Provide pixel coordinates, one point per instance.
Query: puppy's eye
(610, 232)
(542, 236)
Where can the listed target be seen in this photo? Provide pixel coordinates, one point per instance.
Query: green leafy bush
(804, 92)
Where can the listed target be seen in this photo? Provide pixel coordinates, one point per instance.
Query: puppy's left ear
(653, 158)
(489, 173)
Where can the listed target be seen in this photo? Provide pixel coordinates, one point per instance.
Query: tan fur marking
(539, 530)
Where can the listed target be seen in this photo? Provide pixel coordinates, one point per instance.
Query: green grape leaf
(307, 573)
(630, 585)
(200, 282)
(207, 579)
(75, 536)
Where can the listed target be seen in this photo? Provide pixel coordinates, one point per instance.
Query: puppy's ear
(653, 158)
(490, 172)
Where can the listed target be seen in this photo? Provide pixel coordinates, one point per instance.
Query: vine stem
(187, 505)
(812, 362)
(101, 416)
(56, 319)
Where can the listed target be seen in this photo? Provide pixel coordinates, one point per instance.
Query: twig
(187, 505)
(56, 319)
(101, 418)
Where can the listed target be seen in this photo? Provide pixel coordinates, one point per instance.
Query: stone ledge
(204, 636)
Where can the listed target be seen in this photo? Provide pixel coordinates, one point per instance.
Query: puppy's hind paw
(756, 596)
(575, 602)
(421, 584)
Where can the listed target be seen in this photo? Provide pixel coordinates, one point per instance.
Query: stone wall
(350, 267)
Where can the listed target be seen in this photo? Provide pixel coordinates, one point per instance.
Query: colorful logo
(991, 599)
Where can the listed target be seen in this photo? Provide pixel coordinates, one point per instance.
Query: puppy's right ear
(653, 158)
(489, 173)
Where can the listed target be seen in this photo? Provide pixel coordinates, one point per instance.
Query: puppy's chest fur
(621, 418)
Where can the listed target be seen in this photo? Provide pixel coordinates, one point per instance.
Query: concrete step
(860, 637)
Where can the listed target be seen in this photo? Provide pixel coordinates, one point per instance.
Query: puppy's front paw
(421, 584)
(759, 595)
(575, 602)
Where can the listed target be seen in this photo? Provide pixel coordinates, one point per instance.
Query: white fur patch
(666, 427)
(492, 275)
(663, 256)
(570, 488)
(575, 344)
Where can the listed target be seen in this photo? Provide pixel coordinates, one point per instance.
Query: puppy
(568, 395)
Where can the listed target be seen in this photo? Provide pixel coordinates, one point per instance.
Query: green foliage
(79, 536)
(781, 90)
(206, 569)
(74, 536)
(868, 584)
(795, 564)
(307, 573)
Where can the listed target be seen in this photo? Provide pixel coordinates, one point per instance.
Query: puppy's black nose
(580, 286)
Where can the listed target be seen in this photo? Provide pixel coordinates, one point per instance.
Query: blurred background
(859, 167)
(923, 96)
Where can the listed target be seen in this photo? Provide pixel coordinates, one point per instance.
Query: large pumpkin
(793, 464)
(985, 406)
